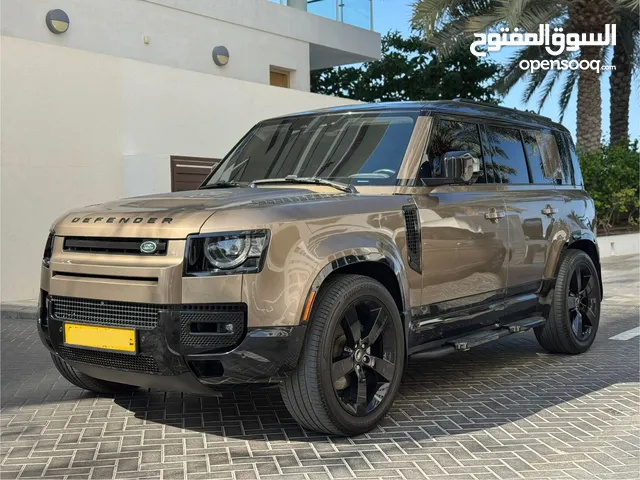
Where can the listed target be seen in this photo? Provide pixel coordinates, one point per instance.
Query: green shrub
(611, 177)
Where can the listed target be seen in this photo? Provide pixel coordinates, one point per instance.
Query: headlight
(225, 253)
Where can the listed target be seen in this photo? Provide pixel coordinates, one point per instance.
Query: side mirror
(461, 166)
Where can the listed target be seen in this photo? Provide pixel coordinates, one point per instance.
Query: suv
(326, 250)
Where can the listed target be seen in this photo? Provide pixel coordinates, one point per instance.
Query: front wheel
(351, 364)
(575, 311)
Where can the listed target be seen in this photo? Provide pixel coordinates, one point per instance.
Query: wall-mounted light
(57, 21)
(220, 55)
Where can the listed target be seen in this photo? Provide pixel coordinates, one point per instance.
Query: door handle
(549, 211)
(494, 215)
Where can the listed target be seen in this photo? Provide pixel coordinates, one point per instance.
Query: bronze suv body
(454, 257)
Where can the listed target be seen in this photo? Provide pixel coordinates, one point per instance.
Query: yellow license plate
(105, 338)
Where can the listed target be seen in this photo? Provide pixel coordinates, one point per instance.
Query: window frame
(285, 73)
(414, 113)
(489, 148)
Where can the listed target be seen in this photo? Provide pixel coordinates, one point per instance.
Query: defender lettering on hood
(121, 220)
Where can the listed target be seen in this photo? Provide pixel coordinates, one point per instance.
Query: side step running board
(467, 342)
(525, 324)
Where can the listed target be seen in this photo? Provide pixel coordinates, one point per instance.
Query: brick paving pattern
(503, 410)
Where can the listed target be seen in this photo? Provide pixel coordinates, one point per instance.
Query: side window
(509, 162)
(569, 159)
(543, 156)
(450, 136)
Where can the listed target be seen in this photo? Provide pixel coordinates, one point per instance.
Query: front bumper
(165, 361)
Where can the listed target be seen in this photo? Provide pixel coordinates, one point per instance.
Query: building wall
(182, 33)
(80, 128)
(178, 38)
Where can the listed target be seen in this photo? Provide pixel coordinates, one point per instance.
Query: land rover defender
(323, 253)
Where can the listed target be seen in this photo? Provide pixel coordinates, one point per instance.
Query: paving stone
(503, 410)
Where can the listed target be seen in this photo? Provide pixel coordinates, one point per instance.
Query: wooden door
(187, 173)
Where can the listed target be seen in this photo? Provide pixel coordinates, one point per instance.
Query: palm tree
(626, 57)
(447, 24)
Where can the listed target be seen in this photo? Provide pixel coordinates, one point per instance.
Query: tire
(312, 394)
(560, 334)
(86, 382)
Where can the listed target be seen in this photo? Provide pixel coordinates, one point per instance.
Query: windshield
(362, 149)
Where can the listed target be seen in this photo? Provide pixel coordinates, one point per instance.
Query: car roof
(458, 107)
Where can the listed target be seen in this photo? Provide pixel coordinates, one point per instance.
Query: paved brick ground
(505, 410)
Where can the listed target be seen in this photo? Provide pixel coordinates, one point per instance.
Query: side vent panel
(413, 237)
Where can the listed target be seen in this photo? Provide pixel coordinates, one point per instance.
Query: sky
(395, 15)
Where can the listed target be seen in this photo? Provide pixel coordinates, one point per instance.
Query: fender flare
(396, 266)
(391, 261)
(574, 237)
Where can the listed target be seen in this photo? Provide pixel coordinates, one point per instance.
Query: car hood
(171, 215)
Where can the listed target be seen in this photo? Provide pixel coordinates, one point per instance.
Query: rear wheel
(575, 311)
(86, 382)
(352, 361)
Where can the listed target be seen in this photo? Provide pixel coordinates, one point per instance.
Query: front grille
(201, 326)
(413, 237)
(121, 246)
(118, 361)
(209, 327)
(143, 316)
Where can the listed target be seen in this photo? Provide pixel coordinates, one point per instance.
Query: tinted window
(450, 136)
(509, 162)
(543, 156)
(568, 159)
(359, 149)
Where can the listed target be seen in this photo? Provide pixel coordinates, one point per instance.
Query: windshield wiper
(344, 187)
(223, 184)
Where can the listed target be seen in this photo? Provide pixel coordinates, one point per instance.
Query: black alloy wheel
(352, 360)
(581, 301)
(574, 313)
(364, 360)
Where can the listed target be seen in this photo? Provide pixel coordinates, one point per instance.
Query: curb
(619, 245)
(15, 312)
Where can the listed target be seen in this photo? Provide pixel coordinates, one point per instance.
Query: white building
(130, 90)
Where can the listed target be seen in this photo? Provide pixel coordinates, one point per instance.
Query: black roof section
(458, 107)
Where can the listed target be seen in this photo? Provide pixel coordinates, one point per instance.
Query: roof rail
(510, 109)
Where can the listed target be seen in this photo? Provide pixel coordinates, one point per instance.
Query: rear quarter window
(544, 157)
(569, 159)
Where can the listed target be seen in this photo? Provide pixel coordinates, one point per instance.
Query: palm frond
(514, 73)
(534, 81)
(428, 15)
(627, 4)
(538, 13)
(511, 11)
(570, 82)
(549, 82)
